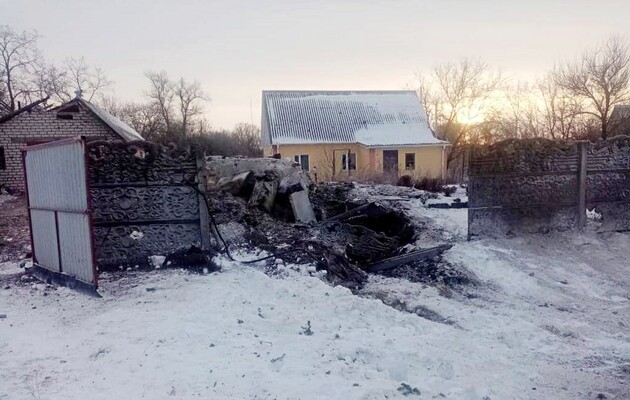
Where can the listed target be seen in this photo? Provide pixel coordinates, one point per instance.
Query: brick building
(32, 124)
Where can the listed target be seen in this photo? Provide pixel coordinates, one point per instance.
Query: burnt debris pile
(371, 232)
(275, 207)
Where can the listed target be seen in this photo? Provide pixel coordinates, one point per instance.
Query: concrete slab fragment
(302, 208)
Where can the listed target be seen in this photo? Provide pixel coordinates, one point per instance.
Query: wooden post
(204, 217)
(582, 154)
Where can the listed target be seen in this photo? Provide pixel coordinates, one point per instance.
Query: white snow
(593, 215)
(396, 135)
(445, 224)
(136, 235)
(157, 261)
(549, 320)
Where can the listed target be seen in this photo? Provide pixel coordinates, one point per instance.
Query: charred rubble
(272, 205)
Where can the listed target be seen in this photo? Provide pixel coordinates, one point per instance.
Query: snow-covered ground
(548, 320)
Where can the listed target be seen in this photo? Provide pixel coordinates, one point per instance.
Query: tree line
(468, 102)
(172, 110)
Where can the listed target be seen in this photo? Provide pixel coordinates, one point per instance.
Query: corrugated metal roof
(371, 118)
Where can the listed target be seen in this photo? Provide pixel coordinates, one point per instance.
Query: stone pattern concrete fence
(145, 201)
(539, 185)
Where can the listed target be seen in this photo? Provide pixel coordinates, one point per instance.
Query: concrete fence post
(582, 158)
(202, 182)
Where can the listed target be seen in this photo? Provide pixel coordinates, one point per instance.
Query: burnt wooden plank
(397, 261)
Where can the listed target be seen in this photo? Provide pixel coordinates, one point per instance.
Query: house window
(349, 161)
(3, 163)
(302, 159)
(410, 161)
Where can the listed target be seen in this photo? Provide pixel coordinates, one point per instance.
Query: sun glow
(469, 117)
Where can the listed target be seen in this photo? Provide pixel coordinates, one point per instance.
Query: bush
(373, 177)
(219, 143)
(433, 185)
(405, 180)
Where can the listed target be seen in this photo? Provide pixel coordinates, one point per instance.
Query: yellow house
(352, 134)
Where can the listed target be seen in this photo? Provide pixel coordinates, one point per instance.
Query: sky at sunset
(236, 49)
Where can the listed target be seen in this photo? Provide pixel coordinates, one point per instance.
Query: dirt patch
(15, 241)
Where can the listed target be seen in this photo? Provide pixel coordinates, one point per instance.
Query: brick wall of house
(42, 126)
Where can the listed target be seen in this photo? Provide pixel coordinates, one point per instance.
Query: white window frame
(298, 157)
(345, 158)
(414, 162)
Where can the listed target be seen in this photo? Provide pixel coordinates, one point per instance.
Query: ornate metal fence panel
(538, 185)
(59, 212)
(146, 201)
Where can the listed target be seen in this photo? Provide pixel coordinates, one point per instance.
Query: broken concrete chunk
(294, 183)
(219, 167)
(302, 208)
(239, 185)
(264, 194)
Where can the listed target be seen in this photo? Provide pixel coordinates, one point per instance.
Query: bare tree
(601, 77)
(431, 101)
(201, 125)
(162, 95)
(562, 113)
(144, 118)
(86, 80)
(459, 98)
(457, 93)
(19, 60)
(49, 80)
(76, 78)
(25, 76)
(520, 114)
(178, 102)
(247, 138)
(188, 95)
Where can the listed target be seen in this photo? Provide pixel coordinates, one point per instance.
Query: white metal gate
(59, 211)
